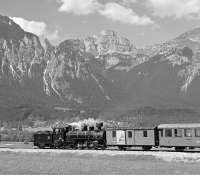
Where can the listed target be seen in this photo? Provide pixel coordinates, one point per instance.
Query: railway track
(99, 150)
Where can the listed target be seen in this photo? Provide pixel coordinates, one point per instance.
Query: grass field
(77, 162)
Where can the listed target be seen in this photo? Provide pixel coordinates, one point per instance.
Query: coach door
(120, 137)
(130, 137)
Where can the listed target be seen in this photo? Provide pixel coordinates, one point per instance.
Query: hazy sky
(142, 21)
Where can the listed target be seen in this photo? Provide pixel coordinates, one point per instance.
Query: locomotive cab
(59, 134)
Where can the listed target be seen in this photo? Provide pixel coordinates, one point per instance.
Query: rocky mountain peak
(68, 74)
(190, 39)
(71, 45)
(111, 48)
(20, 52)
(195, 33)
(182, 53)
(108, 42)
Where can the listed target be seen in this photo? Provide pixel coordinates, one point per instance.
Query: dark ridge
(9, 29)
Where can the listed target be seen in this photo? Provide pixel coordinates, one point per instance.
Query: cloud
(128, 2)
(79, 7)
(36, 27)
(117, 12)
(175, 8)
(53, 36)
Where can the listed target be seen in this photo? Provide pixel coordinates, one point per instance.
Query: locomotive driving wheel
(146, 148)
(41, 146)
(179, 148)
(122, 148)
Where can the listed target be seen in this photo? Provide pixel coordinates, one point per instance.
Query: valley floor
(28, 161)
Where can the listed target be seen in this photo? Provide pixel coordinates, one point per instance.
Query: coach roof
(130, 128)
(179, 125)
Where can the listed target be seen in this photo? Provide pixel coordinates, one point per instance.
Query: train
(178, 136)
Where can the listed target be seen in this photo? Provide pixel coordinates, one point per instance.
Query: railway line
(21, 146)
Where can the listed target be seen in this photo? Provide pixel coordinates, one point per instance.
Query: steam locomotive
(69, 137)
(178, 136)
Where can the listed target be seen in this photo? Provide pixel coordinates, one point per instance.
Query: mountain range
(104, 75)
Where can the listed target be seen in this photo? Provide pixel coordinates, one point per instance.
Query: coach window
(168, 132)
(188, 132)
(178, 132)
(161, 133)
(113, 133)
(145, 134)
(197, 132)
(129, 134)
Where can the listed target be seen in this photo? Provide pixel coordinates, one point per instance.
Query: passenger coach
(179, 136)
(132, 137)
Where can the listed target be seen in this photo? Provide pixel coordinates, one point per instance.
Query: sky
(144, 22)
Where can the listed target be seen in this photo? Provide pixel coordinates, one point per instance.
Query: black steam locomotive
(70, 138)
